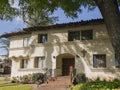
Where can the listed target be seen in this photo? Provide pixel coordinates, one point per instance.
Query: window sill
(31, 69)
(105, 69)
(28, 69)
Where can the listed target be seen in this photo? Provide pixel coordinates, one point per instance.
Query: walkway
(61, 83)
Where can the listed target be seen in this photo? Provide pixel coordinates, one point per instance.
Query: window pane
(39, 63)
(117, 64)
(25, 63)
(73, 35)
(87, 34)
(95, 62)
(26, 41)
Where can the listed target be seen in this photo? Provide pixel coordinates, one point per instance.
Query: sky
(17, 23)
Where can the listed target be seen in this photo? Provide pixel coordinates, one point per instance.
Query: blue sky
(17, 23)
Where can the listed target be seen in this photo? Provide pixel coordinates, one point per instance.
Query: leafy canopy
(42, 10)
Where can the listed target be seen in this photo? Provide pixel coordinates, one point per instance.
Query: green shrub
(98, 85)
(38, 77)
(29, 79)
(26, 79)
(79, 78)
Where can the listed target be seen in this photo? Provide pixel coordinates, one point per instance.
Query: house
(83, 45)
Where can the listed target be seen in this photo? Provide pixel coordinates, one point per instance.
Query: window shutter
(36, 62)
(21, 63)
(39, 38)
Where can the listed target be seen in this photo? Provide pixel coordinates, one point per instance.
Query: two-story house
(83, 45)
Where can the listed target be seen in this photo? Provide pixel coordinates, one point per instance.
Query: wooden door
(66, 64)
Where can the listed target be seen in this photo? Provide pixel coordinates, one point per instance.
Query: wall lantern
(54, 57)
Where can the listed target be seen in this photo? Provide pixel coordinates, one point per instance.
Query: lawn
(13, 86)
(6, 85)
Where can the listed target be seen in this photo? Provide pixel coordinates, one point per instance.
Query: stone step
(59, 81)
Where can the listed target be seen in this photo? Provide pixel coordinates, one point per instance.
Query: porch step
(60, 81)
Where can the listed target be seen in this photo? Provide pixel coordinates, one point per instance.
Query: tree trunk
(110, 12)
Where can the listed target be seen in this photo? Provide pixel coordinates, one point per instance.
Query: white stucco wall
(58, 44)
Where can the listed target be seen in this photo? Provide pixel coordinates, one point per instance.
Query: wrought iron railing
(72, 75)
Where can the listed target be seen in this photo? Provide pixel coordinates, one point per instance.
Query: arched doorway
(63, 64)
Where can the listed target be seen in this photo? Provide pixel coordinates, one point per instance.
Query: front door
(66, 64)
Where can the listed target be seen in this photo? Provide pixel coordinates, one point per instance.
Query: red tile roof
(55, 26)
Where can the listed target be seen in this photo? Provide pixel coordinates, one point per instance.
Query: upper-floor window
(73, 35)
(99, 60)
(23, 63)
(39, 62)
(87, 34)
(26, 41)
(117, 63)
(42, 38)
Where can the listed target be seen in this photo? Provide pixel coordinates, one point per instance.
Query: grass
(13, 86)
(6, 85)
(2, 79)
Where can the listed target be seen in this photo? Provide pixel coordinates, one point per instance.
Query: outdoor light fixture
(83, 52)
(54, 57)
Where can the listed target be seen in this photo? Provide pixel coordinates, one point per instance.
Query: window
(42, 38)
(23, 63)
(39, 62)
(87, 34)
(73, 35)
(1, 66)
(117, 64)
(26, 41)
(99, 60)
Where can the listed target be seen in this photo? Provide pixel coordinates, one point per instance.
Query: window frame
(72, 35)
(39, 62)
(40, 36)
(23, 63)
(26, 41)
(88, 37)
(97, 63)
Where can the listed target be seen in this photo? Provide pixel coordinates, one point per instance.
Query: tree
(28, 10)
(111, 14)
(33, 14)
(109, 10)
(6, 11)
